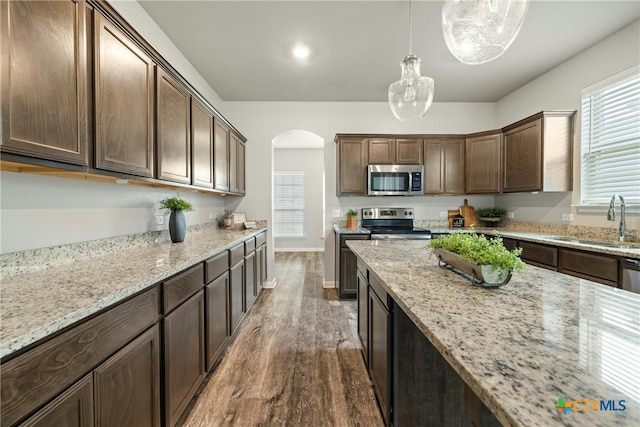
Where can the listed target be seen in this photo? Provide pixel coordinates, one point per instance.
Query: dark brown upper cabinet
(241, 167)
(385, 151)
(45, 88)
(538, 153)
(201, 145)
(173, 106)
(352, 165)
(483, 163)
(233, 163)
(444, 166)
(221, 156)
(124, 95)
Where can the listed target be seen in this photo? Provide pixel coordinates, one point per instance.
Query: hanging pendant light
(412, 95)
(479, 31)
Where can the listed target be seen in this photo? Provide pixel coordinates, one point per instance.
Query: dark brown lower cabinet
(540, 255)
(236, 286)
(363, 315)
(73, 408)
(218, 330)
(127, 385)
(250, 290)
(346, 265)
(426, 389)
(261, 267)
(184, 356)
(597, 267)
(380, 350)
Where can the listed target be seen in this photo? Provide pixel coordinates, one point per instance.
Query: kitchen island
(544, 336)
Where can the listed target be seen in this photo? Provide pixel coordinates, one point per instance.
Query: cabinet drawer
(601, 268)
(182, 286)
(375, 284)
(249, 245)
(261, 239)
(35, 377)
(236, 254)
(216, 265)
(362, 268)
(540, 255)
(345, 237)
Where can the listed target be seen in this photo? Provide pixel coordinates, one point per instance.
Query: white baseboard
(269, 284)
(329, 284)
(298, 249)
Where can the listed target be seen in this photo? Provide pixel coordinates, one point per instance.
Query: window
(611, 139)
(288, 204)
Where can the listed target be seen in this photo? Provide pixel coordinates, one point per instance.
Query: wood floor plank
(295, 362)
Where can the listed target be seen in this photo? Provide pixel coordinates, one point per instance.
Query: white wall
(39, 211)
(311, 162)
(561, 89)
(261, 122)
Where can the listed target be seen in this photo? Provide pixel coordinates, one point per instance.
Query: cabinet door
(45, 88)
(240, 167)
(173, 104)
(184, 356)
(250, 279)
(221, 156)
(124, 81)
(522, 165)
(453, 166)
(352, 166)
(217, 296)
(433, 166)
(483, 169)
(127, 385)
(382, 151)
(348, 282)
(363, 315)
(201, 145)
(408, 152)
(379, 361)
(236, 305)
(260, 267)
(73, 408)
(233, 163)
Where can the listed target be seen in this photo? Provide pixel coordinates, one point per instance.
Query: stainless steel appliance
(631, 275)
(395, 180)
(392, 224)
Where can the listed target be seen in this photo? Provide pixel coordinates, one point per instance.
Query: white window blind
(288, 204)
(611, 139)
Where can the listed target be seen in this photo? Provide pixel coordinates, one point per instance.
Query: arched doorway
(298, 191)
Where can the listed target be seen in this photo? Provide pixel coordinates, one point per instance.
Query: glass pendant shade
(479, 31)
(412, 95)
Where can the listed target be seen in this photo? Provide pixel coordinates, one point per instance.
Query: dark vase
(177, 226)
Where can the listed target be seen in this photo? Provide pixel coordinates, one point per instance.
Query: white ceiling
(242, 48)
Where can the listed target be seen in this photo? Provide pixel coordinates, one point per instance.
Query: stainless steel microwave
(395, 180)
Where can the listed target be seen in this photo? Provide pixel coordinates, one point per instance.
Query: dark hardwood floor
(295, 362)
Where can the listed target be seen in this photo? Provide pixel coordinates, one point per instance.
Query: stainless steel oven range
(392, 224)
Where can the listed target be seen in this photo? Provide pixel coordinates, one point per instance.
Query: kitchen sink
(626, 245)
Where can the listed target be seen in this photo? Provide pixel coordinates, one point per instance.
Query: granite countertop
(520, 347)
(36, 304)
(340, 229)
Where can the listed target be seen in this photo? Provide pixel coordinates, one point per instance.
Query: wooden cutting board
(469, 214)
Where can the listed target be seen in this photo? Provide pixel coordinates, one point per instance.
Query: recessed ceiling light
(301, 51)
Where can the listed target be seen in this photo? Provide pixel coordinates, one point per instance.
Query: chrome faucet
(611, 214)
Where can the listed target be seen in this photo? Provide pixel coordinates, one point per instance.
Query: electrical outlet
(160, 262)
(159, 219)
(510, 215)
(335, 213)
(443, 214)
(567, 217)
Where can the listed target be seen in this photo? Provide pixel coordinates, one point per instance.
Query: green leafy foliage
(478, 248)
(352, 212)
(490, 212)
(171, 204)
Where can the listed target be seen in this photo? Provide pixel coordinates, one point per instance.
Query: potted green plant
(490, 217)
(227, 218)
(352, 218)
(487, 261)
(177, 222)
